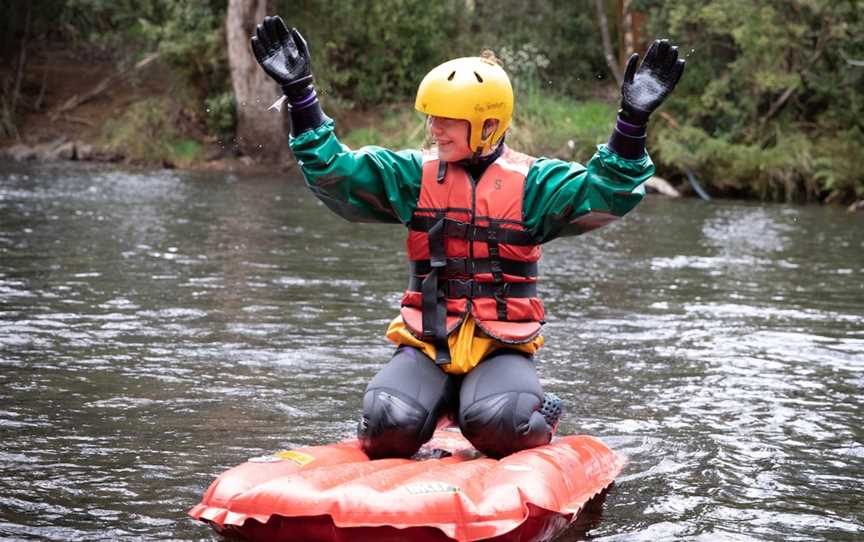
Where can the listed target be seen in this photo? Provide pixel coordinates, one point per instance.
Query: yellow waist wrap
(468, 345)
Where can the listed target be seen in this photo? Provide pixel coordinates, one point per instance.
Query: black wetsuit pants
(496, 404)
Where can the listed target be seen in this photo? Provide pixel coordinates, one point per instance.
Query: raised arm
(369, 185)
(564, 198)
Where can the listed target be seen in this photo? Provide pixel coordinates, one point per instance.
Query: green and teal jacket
(373, 184)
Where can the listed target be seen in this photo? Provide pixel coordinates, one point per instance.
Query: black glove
(284, 56)
(645, 89)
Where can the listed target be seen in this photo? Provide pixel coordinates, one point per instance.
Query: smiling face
(451, 138)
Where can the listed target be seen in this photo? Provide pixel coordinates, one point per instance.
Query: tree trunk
(608, 52)
(628, 41)
(261, 134)
(630, 24)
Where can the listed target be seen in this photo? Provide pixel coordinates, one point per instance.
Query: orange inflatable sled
(335, 493)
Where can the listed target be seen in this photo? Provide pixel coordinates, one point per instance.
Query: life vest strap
(497, 273)
(469, 288)
(471, 232)
(434, 304)
(473, 266)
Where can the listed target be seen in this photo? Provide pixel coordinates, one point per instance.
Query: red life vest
(469, 250)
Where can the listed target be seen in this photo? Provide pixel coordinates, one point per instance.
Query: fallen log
(102, 86)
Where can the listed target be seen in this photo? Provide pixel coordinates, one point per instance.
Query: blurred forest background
(771, 105)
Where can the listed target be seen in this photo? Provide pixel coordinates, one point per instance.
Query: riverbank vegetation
(771, 105)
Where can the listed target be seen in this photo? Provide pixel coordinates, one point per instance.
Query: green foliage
(837, 164)
(148, 133)
(190, 37)
(373, 52)
(221, 113)
(143, 131)
(782, 171)
(770, 108)
(185, 151)
(564, 34)
(547, 124)
(398, 127)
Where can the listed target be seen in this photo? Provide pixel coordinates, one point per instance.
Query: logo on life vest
(431, 487)
(498, 184)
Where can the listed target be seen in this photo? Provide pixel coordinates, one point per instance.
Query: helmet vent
(452, 75)
(479, 79)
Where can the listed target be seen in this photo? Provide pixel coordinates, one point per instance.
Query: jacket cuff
(628, 140)
(307, 115)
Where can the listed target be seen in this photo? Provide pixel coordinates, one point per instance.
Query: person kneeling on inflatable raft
(476, 212)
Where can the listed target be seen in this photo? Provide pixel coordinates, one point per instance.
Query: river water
(159, 327)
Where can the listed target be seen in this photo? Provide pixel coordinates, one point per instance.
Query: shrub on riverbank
(149, 132)
(771, 103)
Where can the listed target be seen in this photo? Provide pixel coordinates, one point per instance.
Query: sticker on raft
(298, 457)
(291, 455)
(431, 487)
(264, 459)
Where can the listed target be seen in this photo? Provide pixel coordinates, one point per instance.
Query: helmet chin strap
(478, 152)
(484, 142)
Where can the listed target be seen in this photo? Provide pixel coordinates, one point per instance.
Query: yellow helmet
(473, 89)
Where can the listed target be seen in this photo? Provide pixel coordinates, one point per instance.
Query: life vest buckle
(458, 266)
(456, 288)
(457, 229)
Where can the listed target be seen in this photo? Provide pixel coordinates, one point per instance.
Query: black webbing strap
(495, 268)
(471, 232)
(469, 266)
(433, 301)
(468, 288)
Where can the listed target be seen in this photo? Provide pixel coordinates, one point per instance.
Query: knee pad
(393, 425)
(504, 423)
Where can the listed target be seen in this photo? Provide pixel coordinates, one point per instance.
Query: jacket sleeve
(566, 198)
(371, 184)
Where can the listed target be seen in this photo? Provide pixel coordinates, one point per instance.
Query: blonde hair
(489, 54)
